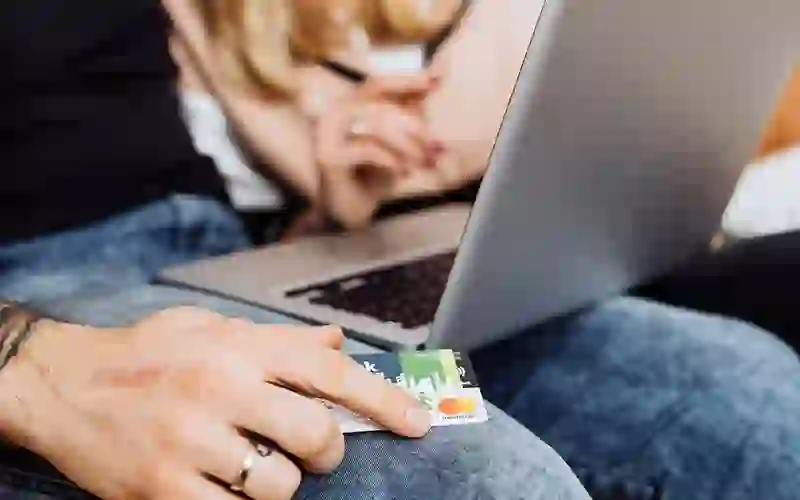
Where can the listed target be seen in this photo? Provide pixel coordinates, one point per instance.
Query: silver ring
(259, 451)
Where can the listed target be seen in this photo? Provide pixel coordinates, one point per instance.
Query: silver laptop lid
(630, 124)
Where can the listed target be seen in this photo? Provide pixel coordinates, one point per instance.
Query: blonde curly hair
(260, 42)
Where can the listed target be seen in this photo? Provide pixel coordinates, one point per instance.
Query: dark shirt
(90, 121)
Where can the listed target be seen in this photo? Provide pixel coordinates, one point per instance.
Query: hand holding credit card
(443, 381)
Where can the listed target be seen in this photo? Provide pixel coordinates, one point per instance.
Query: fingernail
(419, 420)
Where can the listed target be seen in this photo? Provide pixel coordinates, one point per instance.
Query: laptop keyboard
(407, 294)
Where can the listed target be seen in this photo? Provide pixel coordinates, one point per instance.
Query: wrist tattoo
(16, 326)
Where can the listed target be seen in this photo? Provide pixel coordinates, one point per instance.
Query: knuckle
(178, 310)
(392, 400)
(293, 480)
(385, 400)
(331, 334)
(238, 325)
(289, 481)
(321, 434)
(176, 318)
(188, 312)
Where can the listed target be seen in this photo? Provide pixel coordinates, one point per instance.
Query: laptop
(621, 145)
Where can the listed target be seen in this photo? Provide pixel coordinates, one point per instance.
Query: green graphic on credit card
(429, 375)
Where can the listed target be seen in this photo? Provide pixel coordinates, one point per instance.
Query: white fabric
(767, 198)
(208, 126)
(398, 59)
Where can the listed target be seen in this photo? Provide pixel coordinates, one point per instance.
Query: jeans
(98, 276)
(643, 401)
(659, 401)
(118, 253)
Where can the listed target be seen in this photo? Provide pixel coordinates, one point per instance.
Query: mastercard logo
(457, 406)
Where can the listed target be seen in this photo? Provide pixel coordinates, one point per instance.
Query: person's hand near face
(368, 138)
(161, 409)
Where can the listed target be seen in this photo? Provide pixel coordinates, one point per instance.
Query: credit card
(443, 381)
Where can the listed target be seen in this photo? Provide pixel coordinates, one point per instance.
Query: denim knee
(496, 460)
(664, 400)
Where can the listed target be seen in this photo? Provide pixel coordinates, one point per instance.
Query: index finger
(337, 378)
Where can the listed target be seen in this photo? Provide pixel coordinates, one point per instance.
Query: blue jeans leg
(118, 253)
(644, 401)
(657, 401)
(497, 460)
